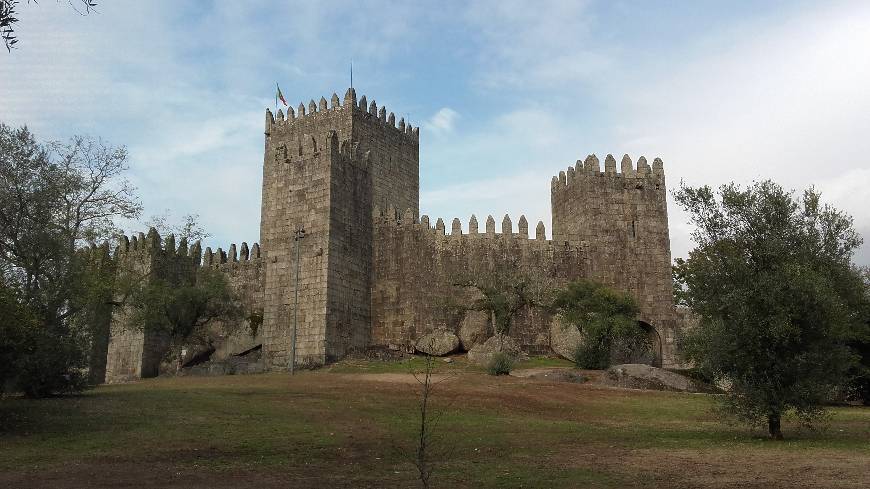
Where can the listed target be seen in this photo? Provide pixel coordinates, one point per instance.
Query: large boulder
(474, 328)
(640, 376)
(482, 353)
(438, 343)
(564, 337)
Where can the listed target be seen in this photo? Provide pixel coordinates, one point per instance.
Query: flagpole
(276, 96)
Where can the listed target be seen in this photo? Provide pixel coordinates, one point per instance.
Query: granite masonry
(374, 273)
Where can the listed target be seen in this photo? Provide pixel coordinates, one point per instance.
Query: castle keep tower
(324, 169)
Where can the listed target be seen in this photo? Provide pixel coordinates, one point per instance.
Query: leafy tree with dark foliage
(858, 387)
(778, 298)
(16, 323)
(607, 320)
(8, 19)
(54, 199)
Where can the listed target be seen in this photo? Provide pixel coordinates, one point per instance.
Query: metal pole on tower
(298, 236)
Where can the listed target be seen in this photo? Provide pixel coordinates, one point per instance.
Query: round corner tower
(621, 220)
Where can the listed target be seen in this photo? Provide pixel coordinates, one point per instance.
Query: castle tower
(621, 220)
(136, 351)
(325, 167)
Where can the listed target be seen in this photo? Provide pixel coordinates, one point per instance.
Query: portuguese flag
(279, 96)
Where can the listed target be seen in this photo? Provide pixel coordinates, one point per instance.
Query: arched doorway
(654, 355)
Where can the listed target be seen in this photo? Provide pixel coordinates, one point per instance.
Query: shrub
(607, 319)
(592, 356)
(500, 364)
(35, 359)
(15, 322)
(51, 364)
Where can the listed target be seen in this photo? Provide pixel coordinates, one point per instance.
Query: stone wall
(348, 316)
(124, 356)
(245, 272)
(416, 269)
(137, 350)
(393, 154)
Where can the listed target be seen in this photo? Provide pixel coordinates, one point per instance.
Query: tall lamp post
(297, 236)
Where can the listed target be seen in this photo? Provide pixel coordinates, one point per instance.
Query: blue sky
(507, 93)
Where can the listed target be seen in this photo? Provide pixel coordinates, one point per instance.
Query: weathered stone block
(438, 343)
(565, 338)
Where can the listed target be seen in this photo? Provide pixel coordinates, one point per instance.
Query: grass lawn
(349, 425)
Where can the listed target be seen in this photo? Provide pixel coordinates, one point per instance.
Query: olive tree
(778, 298)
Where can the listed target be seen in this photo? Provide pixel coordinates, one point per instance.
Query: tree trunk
(773, 426)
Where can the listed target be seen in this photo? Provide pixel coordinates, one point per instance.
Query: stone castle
(373, 272)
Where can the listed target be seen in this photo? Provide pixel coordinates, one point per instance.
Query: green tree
(16, 323)
(777, 296)
(184, 313)
(503, 290)
(858, 386)
(54, 199)
(607, 321)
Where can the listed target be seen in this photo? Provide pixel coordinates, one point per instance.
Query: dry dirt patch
(719, 468)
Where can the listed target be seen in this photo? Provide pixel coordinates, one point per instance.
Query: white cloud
(442, 121)
(526, 44)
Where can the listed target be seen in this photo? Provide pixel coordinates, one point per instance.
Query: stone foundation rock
(438, 343)
(474, 329)
(640, 376)
(564, 338)
(482, 354)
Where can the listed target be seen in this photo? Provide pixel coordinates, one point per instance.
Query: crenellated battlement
(95, 252)
(408, 219)
(152, 244)
(591, 166)
(243, 256)
(335, 108)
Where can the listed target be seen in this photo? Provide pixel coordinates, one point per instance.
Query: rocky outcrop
(640, 376)
(551, 374)
(474, 328)
(564, 337)
(438, 343)
(482, 353)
